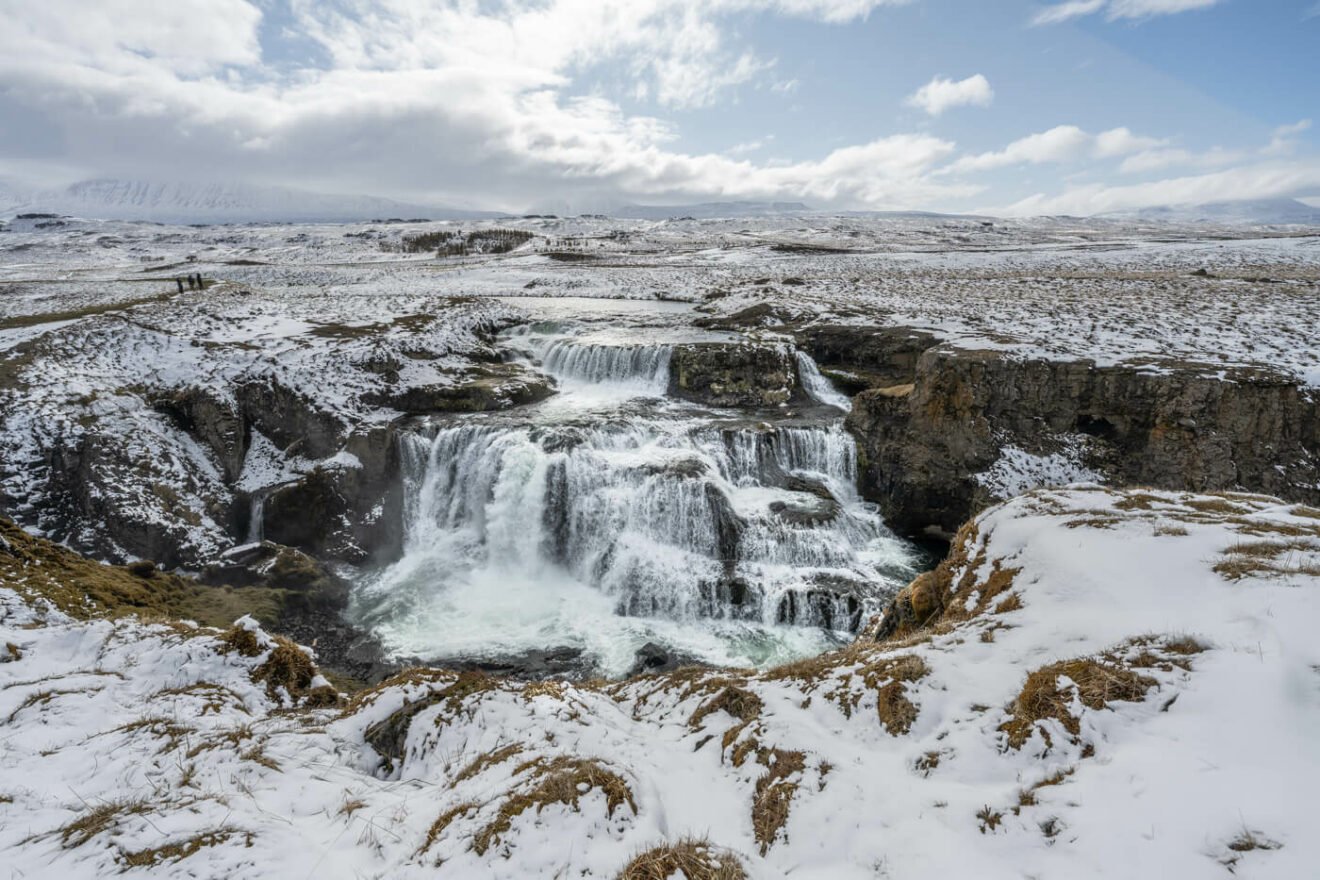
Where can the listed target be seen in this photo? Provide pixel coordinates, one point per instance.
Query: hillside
(181, 202)
(1095, 683)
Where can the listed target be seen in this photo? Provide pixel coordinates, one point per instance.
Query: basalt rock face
(861, 357)
(489, 387)
(214, 420)
(1174, 426)
(347, 510)
(290, 419)
(734, 375)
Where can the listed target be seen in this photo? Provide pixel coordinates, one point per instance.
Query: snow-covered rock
(1114, 684)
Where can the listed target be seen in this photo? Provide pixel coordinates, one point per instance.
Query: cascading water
(818, 388)
(727, 541)
(596, 362)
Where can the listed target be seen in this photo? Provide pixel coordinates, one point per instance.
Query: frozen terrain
(141, 421)
(1115, 685)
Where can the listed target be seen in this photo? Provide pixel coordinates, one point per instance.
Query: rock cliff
(965, 428)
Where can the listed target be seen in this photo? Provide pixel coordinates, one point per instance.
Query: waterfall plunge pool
(611, 516)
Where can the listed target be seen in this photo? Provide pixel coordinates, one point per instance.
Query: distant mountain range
(707, 210)
(247, 203)
(216, 203)
(1251, 212)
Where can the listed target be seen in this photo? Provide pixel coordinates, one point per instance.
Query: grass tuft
(774, 794)
(563, 780)
(1094, 681)
(689, 858)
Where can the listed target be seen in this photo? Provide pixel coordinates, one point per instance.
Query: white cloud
(1269, 180)
(1065, 11)
(1297, 127)
(1063, 143)
(1117, 9)
(1157, 160)
(465, 102)
(942, 94)
(1122, 142)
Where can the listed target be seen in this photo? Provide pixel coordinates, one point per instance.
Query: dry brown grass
(1216, 505)
(1011, 602)
(416, 675)
(773, 797)
(736, 701)
(216, 698)
(1142, 501)
(927, 763)
(84, 589)
(94, 820)
(488, 759)
(1096, 684)
(922, 603)
(1264, 559)
(879, 671)
(553, 689)
(1247, 841)
(988, 819)
(172, 733)
(179, 850)
(689, 858)
(287, 670)
(888, 678)
(563, 780)
(443, 821)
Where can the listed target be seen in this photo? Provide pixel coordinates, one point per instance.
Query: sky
(997, 106)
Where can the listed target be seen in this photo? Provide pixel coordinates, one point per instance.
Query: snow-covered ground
(1104, 289)
(1175, 737)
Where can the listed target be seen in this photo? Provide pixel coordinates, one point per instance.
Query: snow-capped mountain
(707, 210)
(181, 202)
(1250, 212)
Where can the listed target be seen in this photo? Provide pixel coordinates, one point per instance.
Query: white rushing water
(817, 386)
(728, 541)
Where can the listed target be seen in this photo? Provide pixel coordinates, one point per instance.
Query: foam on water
(713, 541)
(611, 516)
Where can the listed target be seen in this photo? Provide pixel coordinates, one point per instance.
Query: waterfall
(594, 362)
(257, 517)
(598, 533)
(643, 367)
(819, 388)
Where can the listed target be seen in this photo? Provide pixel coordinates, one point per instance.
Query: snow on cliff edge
(1169, 730)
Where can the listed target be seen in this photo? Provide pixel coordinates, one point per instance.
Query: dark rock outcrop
(859, 357)
(347, 510)
(734, 374)
(489, 387)
(307, 584)
(289, 418)
(1173, 425)
(655, 659)
(212, 419)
